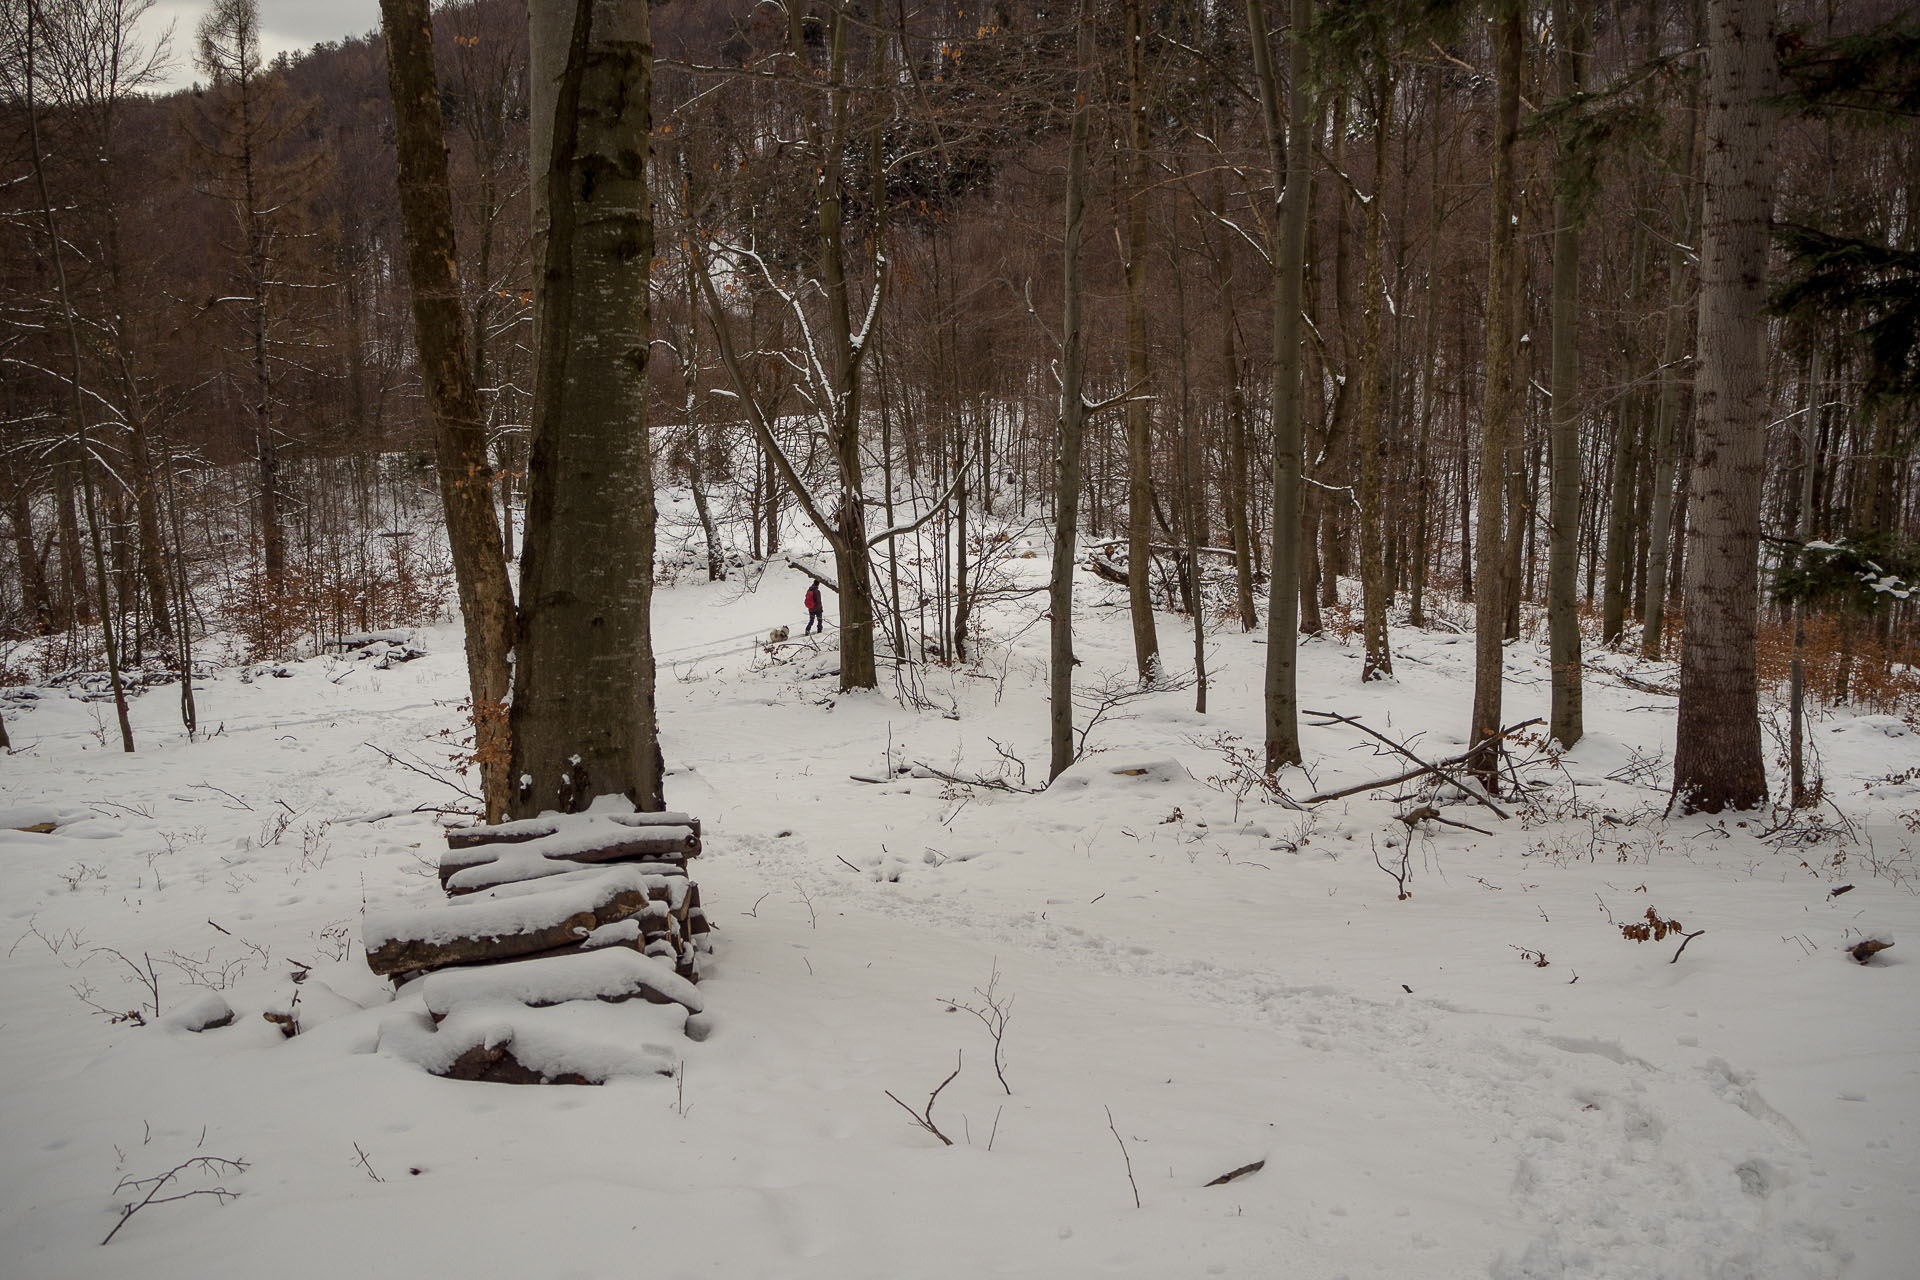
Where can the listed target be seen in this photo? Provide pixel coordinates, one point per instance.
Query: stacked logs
(555, 896)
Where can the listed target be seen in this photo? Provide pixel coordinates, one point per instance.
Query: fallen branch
(1683, 944)
(1427, 813)
(1241, 1172)
(424, 771)
(1444, 770)
(992, 784)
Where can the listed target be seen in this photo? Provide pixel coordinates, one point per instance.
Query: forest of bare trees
(1595, 322)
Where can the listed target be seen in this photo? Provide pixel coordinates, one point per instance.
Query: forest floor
(1484, 1078)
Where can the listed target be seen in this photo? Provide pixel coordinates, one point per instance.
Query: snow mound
(1117, 772)
(28, 817)
(201, 1013)
(1872, 727)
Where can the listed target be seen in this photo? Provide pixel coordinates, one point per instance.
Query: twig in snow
(366, 1163)
(1683, 944)
(1124, 1156)
(208, 786)
(1241, 1172)
(155, 1185)
(424, 771)
(925, 1118)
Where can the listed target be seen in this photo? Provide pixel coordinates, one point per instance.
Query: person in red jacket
(816, 618)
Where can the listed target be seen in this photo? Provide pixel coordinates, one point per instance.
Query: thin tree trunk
(1287, 153)
(1667, 421)
(1800, 796)
(1625, 461)
(1572, 19)
(453, 399)
(1499, 420)
(1146, 643)
(1374, 588)
(1422, 464)
(35, 599)
(76, 395)
(1237, 493)
(1717, 762)
(1072, 415)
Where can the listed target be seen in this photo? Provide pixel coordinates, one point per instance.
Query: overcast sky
(284, 25)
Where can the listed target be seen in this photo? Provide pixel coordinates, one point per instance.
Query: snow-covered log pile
(594, 907)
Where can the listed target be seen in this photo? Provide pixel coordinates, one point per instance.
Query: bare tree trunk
(1499, 422)
(1236, 495)
(1666, 428)
(583, 717)
(459, 421)
(1717, 761)
(853, 559)
(1374, 587)
(1287, 153)
(1800, 796)
(1571, 20)
(1422, 464)
(1073, 406)
(1146, 642)
(71, 607)
(1625, 462)
(76, 394)
(35, 598)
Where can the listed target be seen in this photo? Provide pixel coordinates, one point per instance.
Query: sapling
(214, 1166)
(993, 1010)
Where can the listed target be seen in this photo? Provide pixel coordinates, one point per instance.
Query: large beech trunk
(583, 717)
(1717, 762)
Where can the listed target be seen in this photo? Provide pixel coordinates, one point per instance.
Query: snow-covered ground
(1486, 1078)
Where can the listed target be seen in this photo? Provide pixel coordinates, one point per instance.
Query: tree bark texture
(1571, 18)
(1717, 762)
(1666, 428)
(1066, 515)
(1499, 421)
(1374, 587)
(1146, 641)
(1287, 154)
(453, 400)
(583, 719)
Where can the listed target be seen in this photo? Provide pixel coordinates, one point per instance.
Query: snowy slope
(1193, 982)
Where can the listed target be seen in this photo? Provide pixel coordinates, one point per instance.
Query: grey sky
(284, 25)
